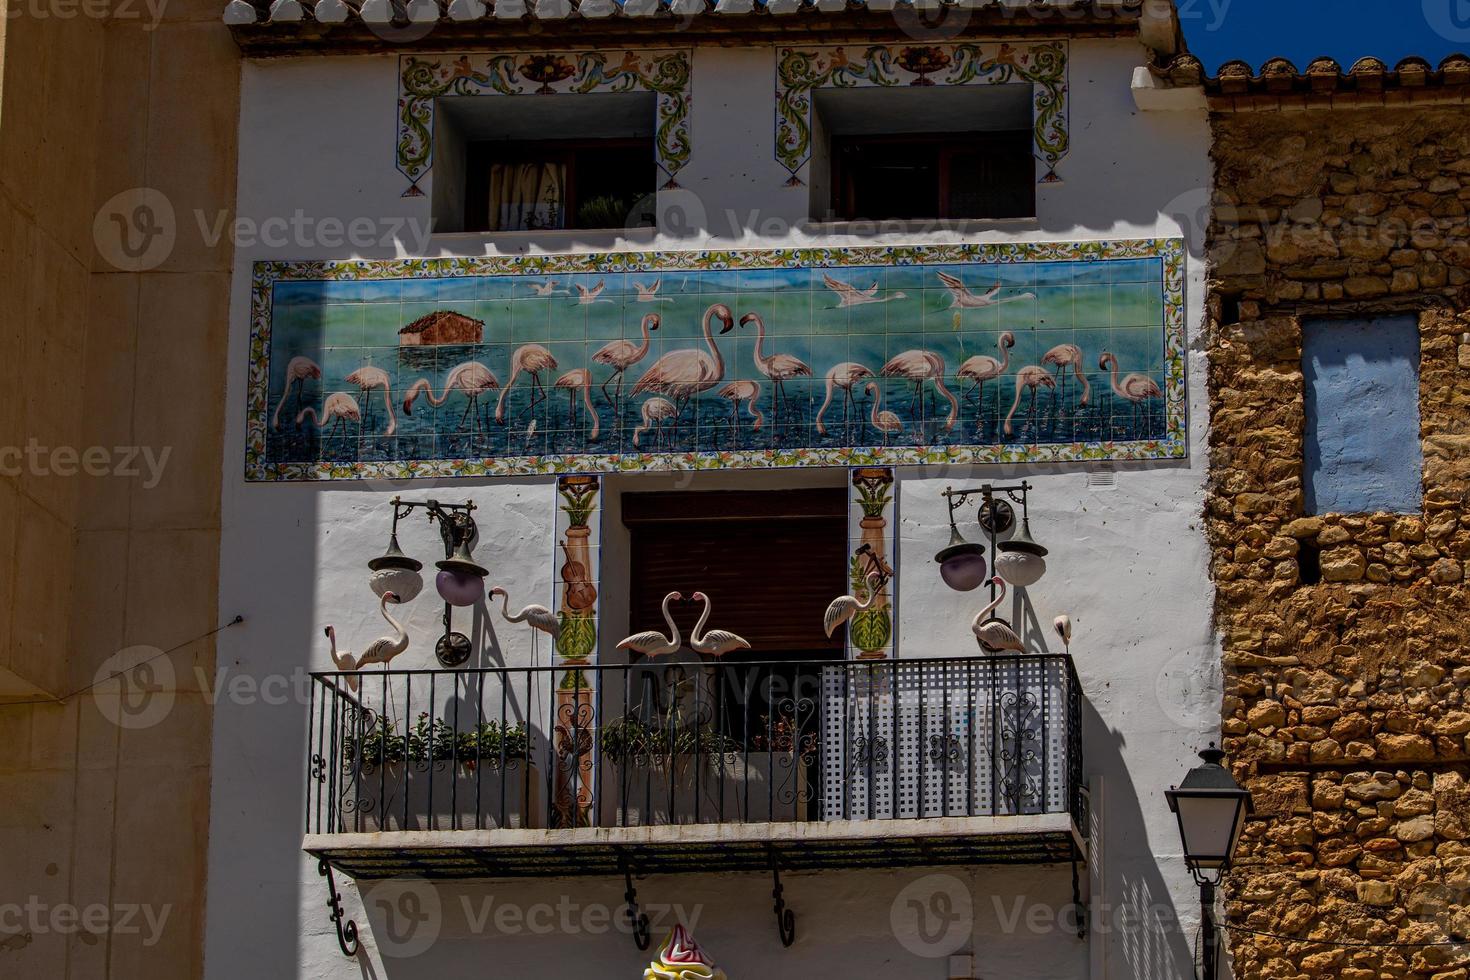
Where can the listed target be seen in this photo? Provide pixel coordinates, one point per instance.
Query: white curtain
(526, 196)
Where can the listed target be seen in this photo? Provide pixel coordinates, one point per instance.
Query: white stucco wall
(1127, 563)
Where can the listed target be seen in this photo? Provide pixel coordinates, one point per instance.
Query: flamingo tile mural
(873, 356)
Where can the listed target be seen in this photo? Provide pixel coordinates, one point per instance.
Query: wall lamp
(1021, 560)
(460, 582)
(1211, 808)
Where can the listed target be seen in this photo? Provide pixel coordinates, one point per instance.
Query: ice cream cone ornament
(680, 958)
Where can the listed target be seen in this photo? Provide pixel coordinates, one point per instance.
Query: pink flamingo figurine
(380, 651)
(653, 643)
(844, 607)
(715, 643)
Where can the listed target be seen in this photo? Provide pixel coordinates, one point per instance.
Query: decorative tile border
(872, 538)
(424, 78)
(1171, 441)
(1043, 65)
(577, 561)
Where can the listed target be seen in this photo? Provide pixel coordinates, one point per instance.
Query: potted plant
(663, 771)
(484, 770)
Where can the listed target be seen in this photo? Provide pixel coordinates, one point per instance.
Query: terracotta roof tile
(1281, 81)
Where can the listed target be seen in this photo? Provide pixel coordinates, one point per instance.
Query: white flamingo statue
(298, 371)
(580, 378)
(844, 607)
(780, 368)
(472, 378)
(380, 651)
(844, 376)
(682, 374)
(531, 359)
(715, 643)
(340, 408)
(1063, 625)
(654, 643)
(368, 378)
(993, 633)
(621, 355)
(534, 616)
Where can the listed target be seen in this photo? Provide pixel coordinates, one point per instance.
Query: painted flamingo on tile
(687, 372)
(964, 299)
(780, 368)
(471, 378)
(982, 368)
(298, 371)
(580, 379)
(654, 413)
(340, 408)
(621, 355)
(917, 367)
(848, 295)
(885, 422)
(367, 378)
(1137, 389)
(743, 391)
(1066, 356)
(529, 359)
(844, 376)
(1032, 377)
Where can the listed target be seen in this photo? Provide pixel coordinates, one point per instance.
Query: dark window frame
(946, 146)
(481, 154)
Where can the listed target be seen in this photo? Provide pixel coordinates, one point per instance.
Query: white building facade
(850, 254)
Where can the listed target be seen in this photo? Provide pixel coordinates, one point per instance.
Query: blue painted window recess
(1362, 451)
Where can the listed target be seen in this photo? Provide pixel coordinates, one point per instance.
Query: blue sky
(1255, 30)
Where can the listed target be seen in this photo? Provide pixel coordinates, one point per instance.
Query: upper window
(1361, 451)
(933, 175)
(529, 186)
(509, 164)
(917, 153)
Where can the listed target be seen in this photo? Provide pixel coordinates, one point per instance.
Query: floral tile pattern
(872, 523)
(868, 356)
(1041, 65)
(424, 78)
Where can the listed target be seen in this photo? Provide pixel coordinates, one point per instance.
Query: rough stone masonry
(1347, 680)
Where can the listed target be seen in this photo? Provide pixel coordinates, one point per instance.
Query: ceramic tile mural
(872, 548)
(422, 79)
(701, 360)
(578, 559)
(1041, 65)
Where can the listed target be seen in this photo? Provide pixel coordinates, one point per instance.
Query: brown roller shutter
(770, 561)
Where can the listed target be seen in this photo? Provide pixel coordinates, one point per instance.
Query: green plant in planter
(874, 498)
(630, 739)
(607, 211)
(436, 742)
(578, 634)
(578, 507)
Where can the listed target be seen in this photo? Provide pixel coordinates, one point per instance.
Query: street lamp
(1211, 808)
(1020, 560)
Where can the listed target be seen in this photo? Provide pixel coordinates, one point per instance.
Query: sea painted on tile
(795, 364)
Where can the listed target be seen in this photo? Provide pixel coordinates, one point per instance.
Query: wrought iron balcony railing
(686, 743)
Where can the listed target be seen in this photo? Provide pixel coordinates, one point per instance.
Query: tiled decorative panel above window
(886, 355)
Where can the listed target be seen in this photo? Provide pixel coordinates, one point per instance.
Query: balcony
(687, 766)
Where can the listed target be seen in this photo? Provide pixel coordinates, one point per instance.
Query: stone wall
(98, 817)
(1347, 685)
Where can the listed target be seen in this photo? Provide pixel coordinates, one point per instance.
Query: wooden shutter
(770, 562)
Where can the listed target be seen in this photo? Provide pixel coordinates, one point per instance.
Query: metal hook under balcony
(346, 933)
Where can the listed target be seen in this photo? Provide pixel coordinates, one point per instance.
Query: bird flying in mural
(653, 643)
(715, 643)
(649, 294)
(844, 607)
(380, 651)
(991, 632)
(547, 288)
(534, 616)
(966, 300)
(852, 296)
(587, 295)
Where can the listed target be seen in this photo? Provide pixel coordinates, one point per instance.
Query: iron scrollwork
(1020, 734)
(346, 928)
